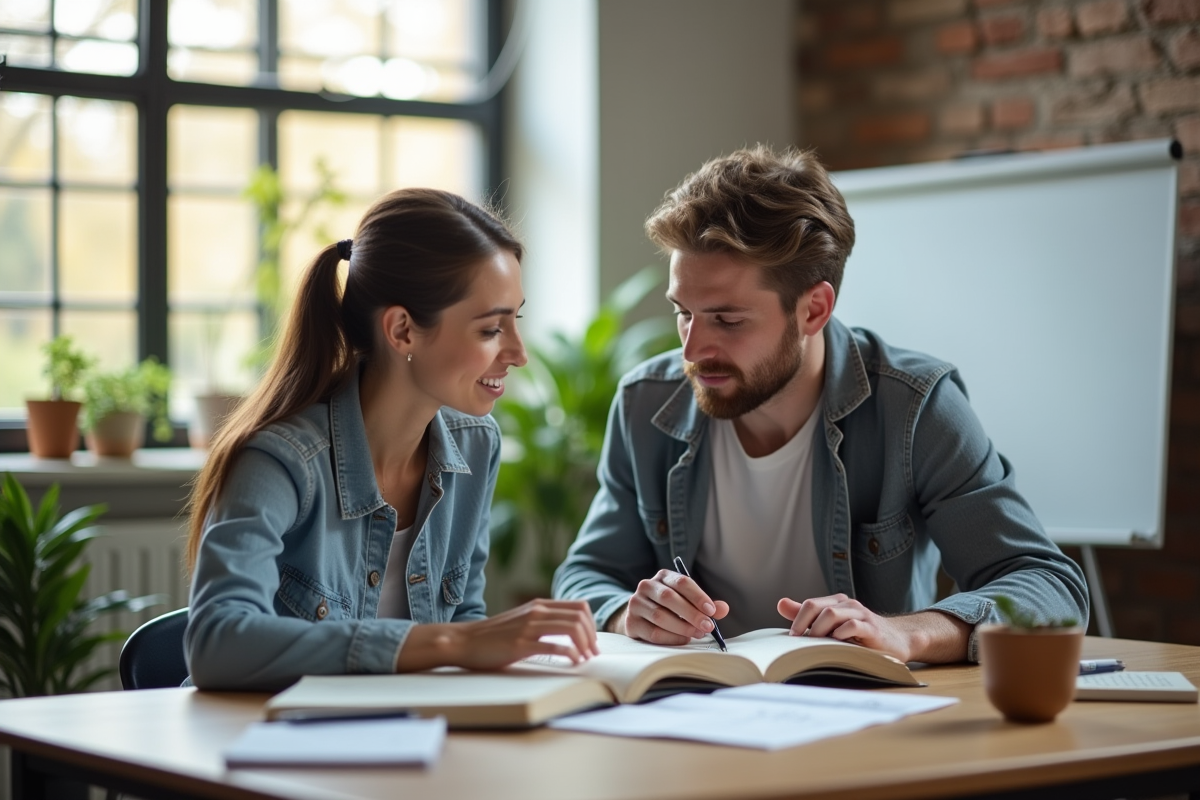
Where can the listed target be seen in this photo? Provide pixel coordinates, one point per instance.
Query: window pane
(213, 24)
(327, 29)
(446, 31)
(22, 333)
(443, 154)
(110, 19)
(203, 66)
(97, 245)
(212, 249)
(97, 57)
(24, 137)
(29, 15)
(98, 141)
(208, 353)
(212, 147)
(111, 336)
(25, 241)
(26, 51)
(347, 143)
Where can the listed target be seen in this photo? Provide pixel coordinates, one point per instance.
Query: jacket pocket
(454, 584)
(309, 599)
(656, 524)
(877, 542)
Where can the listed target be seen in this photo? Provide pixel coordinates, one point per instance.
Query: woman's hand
(500, 640)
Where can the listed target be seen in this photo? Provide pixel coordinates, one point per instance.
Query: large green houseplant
(46, 635)
(553, 419)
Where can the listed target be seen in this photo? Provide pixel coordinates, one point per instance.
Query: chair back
(152, 657)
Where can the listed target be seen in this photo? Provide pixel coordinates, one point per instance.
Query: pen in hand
(716, 632)
(1094, 666)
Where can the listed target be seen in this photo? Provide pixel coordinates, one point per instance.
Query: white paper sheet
(762, 716)
(393, 742)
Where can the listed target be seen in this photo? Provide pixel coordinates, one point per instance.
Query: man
(810, 473)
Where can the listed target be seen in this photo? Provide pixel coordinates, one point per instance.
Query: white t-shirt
(393, 597)
(758, 533)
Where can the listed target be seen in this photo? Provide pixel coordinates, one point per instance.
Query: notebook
(357, 743)
(1157, 687)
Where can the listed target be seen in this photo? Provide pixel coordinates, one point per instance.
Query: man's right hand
(668, 609)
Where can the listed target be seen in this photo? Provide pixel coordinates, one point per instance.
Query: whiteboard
(1048, 280)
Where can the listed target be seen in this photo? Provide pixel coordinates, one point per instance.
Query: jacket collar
(846, 387)
(354, 474)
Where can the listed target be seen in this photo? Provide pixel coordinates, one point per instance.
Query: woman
(340, 523)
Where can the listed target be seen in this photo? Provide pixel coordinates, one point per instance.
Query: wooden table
(167, 743)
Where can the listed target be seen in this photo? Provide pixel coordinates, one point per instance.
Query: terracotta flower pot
(117, 434)
(1029, 673)
(211, 411)
(53, 427)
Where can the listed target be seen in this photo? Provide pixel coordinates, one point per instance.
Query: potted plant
(117, 405)
(45, 625)
(1029, 666)
(53, 424)
(553, 419)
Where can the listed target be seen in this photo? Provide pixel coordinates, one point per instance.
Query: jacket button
(873, 546)
(373, 578)
(414, 578)
(379, 516)
(663, 527)
(839, 556)
(322, 610)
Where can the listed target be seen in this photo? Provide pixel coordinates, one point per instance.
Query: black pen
(305, 717)
(1095, 666)
(716, 632)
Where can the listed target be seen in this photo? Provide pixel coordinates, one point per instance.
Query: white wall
(614, 102)
(682, 81)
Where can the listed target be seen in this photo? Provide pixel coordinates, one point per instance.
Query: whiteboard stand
(1091, 572)
(1048, 281)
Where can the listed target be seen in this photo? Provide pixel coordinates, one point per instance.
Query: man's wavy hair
(778, 211)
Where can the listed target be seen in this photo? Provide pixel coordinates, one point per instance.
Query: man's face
(739, 347)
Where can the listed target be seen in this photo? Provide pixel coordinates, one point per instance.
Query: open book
(541, 688)
(630, 668)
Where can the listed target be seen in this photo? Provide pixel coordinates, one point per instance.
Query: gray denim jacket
(906, 472)
(290, 568)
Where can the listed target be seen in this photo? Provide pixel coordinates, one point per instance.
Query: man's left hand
(929, 636)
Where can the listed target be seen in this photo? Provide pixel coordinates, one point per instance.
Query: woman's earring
(410, 356)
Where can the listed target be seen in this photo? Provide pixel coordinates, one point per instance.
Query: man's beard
(767, 378)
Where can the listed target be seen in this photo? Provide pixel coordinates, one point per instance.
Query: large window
(130, 131)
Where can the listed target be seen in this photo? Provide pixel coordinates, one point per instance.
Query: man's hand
(928, 636)
(668, 609)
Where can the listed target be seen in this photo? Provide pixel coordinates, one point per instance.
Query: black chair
(152, 657)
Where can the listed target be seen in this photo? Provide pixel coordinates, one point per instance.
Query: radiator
(142, 557)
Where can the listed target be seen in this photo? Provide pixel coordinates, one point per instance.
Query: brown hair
(414, 247)
(778, 211)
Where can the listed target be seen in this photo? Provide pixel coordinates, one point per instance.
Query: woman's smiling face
(461, 362)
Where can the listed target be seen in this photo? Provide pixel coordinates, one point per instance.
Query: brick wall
(899, 81)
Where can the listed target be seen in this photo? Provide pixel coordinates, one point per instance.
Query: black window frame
(153, 92)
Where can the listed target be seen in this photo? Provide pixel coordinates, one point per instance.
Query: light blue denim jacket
(905, 472)
(289, 572)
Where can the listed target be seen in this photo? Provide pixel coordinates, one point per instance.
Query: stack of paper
(767, 716)
(370, 742)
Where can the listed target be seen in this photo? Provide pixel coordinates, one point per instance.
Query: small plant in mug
(1016, 618)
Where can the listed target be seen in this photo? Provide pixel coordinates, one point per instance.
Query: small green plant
(66, 366)
(142, 390)
(45, 636)
(1016, 618)
(553, 422)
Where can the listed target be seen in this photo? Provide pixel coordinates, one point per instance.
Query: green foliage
(1016, 618)
(142, 389)
(553, 419)
(44, 623)
(66, 366)
(267, 194)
